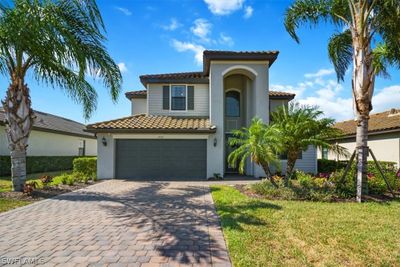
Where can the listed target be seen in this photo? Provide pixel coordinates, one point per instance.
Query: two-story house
(180, 125)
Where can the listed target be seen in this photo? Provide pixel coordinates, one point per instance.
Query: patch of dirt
(45, 192)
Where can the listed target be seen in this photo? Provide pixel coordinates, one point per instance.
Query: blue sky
(147, 37)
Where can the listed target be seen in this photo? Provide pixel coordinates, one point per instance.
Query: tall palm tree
(60, 43)
(366, 22)
(300, 126)
(260, 143)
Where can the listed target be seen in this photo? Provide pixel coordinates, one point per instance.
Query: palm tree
(299, 127)
(259, 142)
(366, 22)
(59, 43)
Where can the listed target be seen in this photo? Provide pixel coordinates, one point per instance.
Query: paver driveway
(117, 222)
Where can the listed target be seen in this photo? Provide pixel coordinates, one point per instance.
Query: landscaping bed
(47, 185)
(261, 232)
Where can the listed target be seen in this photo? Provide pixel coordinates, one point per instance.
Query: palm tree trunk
(268, 173)
(291, 162)
(19, 121)
(363, 83)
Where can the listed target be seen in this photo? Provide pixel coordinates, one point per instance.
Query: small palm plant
(260, 143)
(300, 126)
(60, 43)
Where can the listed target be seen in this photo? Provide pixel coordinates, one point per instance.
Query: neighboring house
(53, 136)
(383, 136)
(181, 123)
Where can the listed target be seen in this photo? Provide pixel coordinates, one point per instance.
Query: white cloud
(202, 29)
(122, 67)
(187, 46)
(387, 98)
(173, 25)
(320, 73)
(125, 11)
(226, 40)
(224, 7)
(248, 12)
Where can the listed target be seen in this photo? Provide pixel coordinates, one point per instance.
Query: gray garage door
(141, 159)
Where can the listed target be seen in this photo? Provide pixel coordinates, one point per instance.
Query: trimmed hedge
(37, 164)
(86, 166)
(327, 166)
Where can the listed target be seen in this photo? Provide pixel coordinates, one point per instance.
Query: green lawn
(5, 181)
(294, 233)
(8, 204)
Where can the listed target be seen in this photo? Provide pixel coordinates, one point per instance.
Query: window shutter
(166, 97)
(190, 97)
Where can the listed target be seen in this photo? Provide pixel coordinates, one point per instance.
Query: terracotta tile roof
(50, 123)
(136, 94)
(192, 77)
(272, 94)
(383, 121)
(245, 53)
(209, 55)
(150, 123)
(280, 94)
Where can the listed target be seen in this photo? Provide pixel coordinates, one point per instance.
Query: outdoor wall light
(104, 141)
(215, 141)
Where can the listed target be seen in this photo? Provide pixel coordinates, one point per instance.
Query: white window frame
(170, 98)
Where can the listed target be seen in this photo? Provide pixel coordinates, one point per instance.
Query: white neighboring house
(180, 125)
(53, 136)
(383, 137)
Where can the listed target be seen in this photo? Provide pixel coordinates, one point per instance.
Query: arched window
(232, 104)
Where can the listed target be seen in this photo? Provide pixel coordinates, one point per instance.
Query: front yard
(296, 233)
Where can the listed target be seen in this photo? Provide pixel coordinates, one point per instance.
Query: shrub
(376, 183)
(85, 166)
(63, 178)
(328, 166)
(37, 164)
(46, 179)
(29, 187)
(295, 191)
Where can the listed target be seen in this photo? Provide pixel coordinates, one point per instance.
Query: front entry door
(233, 121)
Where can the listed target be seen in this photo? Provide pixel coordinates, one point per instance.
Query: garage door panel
(161, 159)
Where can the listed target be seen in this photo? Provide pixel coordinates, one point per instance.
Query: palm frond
(340, 52)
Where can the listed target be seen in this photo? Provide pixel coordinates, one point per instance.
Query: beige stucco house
(181, 123)
(383, 136)
(53, 136)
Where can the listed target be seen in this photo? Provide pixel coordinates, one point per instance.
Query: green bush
(295, 191)
(327, 166)
(37, 164)
(376, 183)
(86, 167)
(63, 178)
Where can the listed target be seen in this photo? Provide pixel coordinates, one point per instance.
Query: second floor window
(178, 97)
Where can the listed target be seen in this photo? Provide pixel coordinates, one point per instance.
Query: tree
(260, 143)
(59, 43)
(366, 22)
(299, 127)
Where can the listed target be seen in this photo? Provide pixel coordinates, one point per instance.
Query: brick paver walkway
(117, 223)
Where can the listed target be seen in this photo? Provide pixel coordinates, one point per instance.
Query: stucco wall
(201, 101)
(139, 106)
(258, 72)
(51, 144)
(386, 147)
(276, 103)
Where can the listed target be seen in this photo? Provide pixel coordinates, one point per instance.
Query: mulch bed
(45, 192)
(369, 198)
